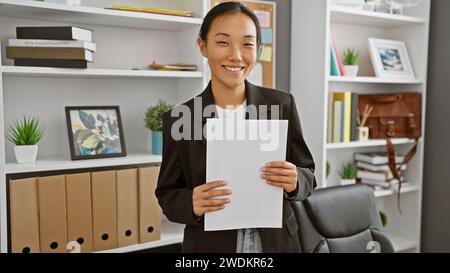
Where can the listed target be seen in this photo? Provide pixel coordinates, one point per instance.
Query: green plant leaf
(351, 57)
(154, 115)
(349, 171)
(25, 132)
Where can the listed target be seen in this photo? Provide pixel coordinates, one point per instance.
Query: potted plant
(351, 60)
(348, 175)
(153, 121)
(25, 135)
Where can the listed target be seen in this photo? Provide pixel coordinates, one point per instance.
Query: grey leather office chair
(341, 220)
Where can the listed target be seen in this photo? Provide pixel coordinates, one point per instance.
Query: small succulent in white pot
(348, 175)
(351, 61)
(25, 134)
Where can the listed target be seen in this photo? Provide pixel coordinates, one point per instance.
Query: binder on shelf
(79, 210)
(149, 210)
(104, 218)
(52, 214)
(127, 207)
(24, 216)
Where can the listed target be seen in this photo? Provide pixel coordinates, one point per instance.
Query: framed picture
(390, 58)
(95, 132)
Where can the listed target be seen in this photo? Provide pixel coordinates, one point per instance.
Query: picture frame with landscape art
(95, 132)
(390, 59)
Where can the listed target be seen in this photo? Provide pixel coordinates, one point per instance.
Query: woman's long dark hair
(228, 8)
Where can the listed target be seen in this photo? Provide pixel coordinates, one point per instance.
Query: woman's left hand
(281, 174)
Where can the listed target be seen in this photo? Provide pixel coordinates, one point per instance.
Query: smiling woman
(230, 42)
(230, 38)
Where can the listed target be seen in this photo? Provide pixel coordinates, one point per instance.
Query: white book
(381, 176)
(382, 184)
(377, 158)
(377, 168)
(52, 43)
(337, 123)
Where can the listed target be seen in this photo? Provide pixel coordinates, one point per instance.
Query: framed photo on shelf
(390, 59)
(95, 132)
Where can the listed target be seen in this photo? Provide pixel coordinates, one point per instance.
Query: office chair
(341, 219)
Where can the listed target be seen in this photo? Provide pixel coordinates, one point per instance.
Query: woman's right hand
(201, 198)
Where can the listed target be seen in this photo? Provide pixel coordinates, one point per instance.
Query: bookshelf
(127, 42)
(315, 22)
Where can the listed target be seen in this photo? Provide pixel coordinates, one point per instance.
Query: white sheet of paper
(238, 160)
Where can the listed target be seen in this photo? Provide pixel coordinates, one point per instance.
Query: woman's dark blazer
(183, 168)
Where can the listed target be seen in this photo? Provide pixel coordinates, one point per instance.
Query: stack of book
(373, 169)
(59, 46)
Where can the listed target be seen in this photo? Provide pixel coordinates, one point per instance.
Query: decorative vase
(345, 182)
(157, 142)
(362, 133)
(351, 70)
(26, 153)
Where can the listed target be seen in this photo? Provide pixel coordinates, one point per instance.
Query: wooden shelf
(56, 163)
(368, 143)
(95, 73)
(336, 79)
(171, 233)
(94, 15)
(371, 19)
(401, 244)
(390, 192)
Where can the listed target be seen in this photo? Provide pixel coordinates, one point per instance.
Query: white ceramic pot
(362, 133)
(351, 70)
(345, 182)
(26, 153)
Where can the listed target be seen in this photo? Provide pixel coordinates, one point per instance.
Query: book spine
(337, 121)
(51, 63)
(347, 116)
(46, 53)
(45, 33)
(339, 60)
(51, 43)
(330, 118)
(354, 114)
(334, 65)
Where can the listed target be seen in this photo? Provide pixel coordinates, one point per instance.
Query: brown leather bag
(396, 115)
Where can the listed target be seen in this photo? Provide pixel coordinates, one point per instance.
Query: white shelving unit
(56, 163)
(127, 42)
(333, 79)
(312, 27)
(94, 73)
